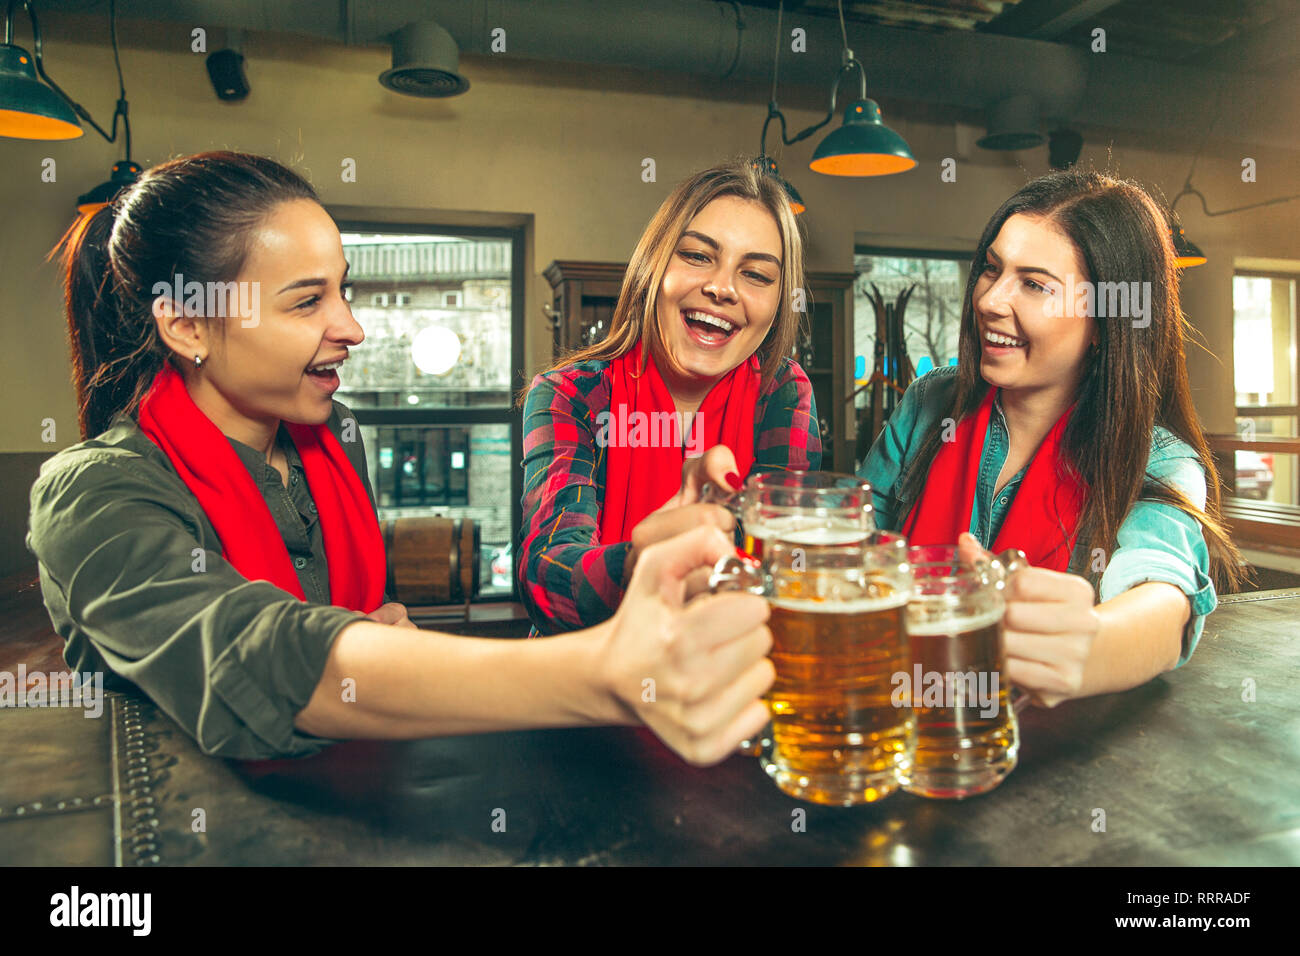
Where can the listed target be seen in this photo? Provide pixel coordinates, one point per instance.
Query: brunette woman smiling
(1067, 430)
(214, 540)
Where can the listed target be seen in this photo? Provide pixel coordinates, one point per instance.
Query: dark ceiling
(1232, 35)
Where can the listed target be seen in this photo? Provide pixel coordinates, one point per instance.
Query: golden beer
(839, 634)
(967, 737)
(775, 504)
(837, 737)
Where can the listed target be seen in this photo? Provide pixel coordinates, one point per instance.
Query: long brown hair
(1136, 379)
(635, 316)
(193, 217)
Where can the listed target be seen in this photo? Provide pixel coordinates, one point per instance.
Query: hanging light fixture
(863, 145)
(763, 162)
(1186, 252)
(767, 166)
(28, 108)
(122, 175)
(31, 110)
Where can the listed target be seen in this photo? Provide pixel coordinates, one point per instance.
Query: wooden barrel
(432, 560)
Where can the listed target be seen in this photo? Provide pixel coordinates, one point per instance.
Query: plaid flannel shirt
(568, 578)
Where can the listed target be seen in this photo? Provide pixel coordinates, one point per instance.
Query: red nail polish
(733, 479)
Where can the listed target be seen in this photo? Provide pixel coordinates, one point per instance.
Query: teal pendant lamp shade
(124, 174)
(863, 146)
(28, 108)
(767, 166)
(1186, 252)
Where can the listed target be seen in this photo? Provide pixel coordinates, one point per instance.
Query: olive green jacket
(134, 580)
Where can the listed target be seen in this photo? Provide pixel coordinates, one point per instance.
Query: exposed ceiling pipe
(962, 69)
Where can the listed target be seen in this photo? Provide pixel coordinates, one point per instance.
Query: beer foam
(856, 606)
(951, 625)
(791, 533)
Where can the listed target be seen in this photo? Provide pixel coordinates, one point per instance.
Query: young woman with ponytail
(1067, 430)
(213, 540)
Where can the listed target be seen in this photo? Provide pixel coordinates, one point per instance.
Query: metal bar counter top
(1185, 770)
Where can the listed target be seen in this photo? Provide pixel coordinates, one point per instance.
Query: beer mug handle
(738, 572)
(711, 494)
(1006, 564)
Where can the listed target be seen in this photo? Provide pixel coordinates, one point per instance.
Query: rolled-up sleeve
(1159, 542)
(232, 661)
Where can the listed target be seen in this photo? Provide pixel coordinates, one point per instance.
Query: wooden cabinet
(584, 294)
(826, 354)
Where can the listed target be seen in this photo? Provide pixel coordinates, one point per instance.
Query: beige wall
(553, 146)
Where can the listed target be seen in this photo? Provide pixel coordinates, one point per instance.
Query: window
(432, 386)
(1265, 373)
(451, 300)
(930, 318)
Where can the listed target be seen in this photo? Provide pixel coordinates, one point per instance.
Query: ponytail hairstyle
(1136, 379)
(191, 217)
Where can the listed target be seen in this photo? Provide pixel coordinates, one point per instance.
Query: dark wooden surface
(1185, 771)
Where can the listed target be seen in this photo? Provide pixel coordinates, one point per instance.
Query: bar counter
(1180, 771)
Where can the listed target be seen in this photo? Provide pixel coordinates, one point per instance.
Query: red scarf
(642, 471)
(250, 540)
(1043, 520)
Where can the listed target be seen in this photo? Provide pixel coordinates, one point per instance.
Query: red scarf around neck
(642, 470)
(1044, 517)
(226, 492)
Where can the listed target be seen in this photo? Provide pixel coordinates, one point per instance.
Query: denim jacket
(1155, 542)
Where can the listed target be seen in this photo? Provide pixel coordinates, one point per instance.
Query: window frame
(506, 414)
(966, 258)
(1274, 411)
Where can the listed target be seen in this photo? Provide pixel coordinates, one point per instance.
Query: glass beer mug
(839, 636)
(967, 737)
(775, 502)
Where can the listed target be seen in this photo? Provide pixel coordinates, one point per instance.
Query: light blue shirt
(1155, 542)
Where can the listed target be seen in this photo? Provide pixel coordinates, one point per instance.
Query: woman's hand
(391, 613)
(692, 672)
(683, 511)
(1050, 626)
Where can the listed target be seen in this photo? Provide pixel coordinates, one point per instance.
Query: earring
(198, 362)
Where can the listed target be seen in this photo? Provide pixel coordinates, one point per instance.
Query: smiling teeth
(711, 320)
(325, 368)
(997, 339)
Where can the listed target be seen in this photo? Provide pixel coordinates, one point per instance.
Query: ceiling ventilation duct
(1013, 124)
(425, 62)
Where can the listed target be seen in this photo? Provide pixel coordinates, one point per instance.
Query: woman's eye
(766, 280)
(346, 291)
(989, 267)
(694, 256)
(1035, 286)
(307, 303)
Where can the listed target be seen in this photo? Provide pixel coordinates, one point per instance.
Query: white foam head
(789, 532)
(953, 625)
(855, 606)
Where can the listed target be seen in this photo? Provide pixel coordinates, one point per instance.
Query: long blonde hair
(636, 313)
